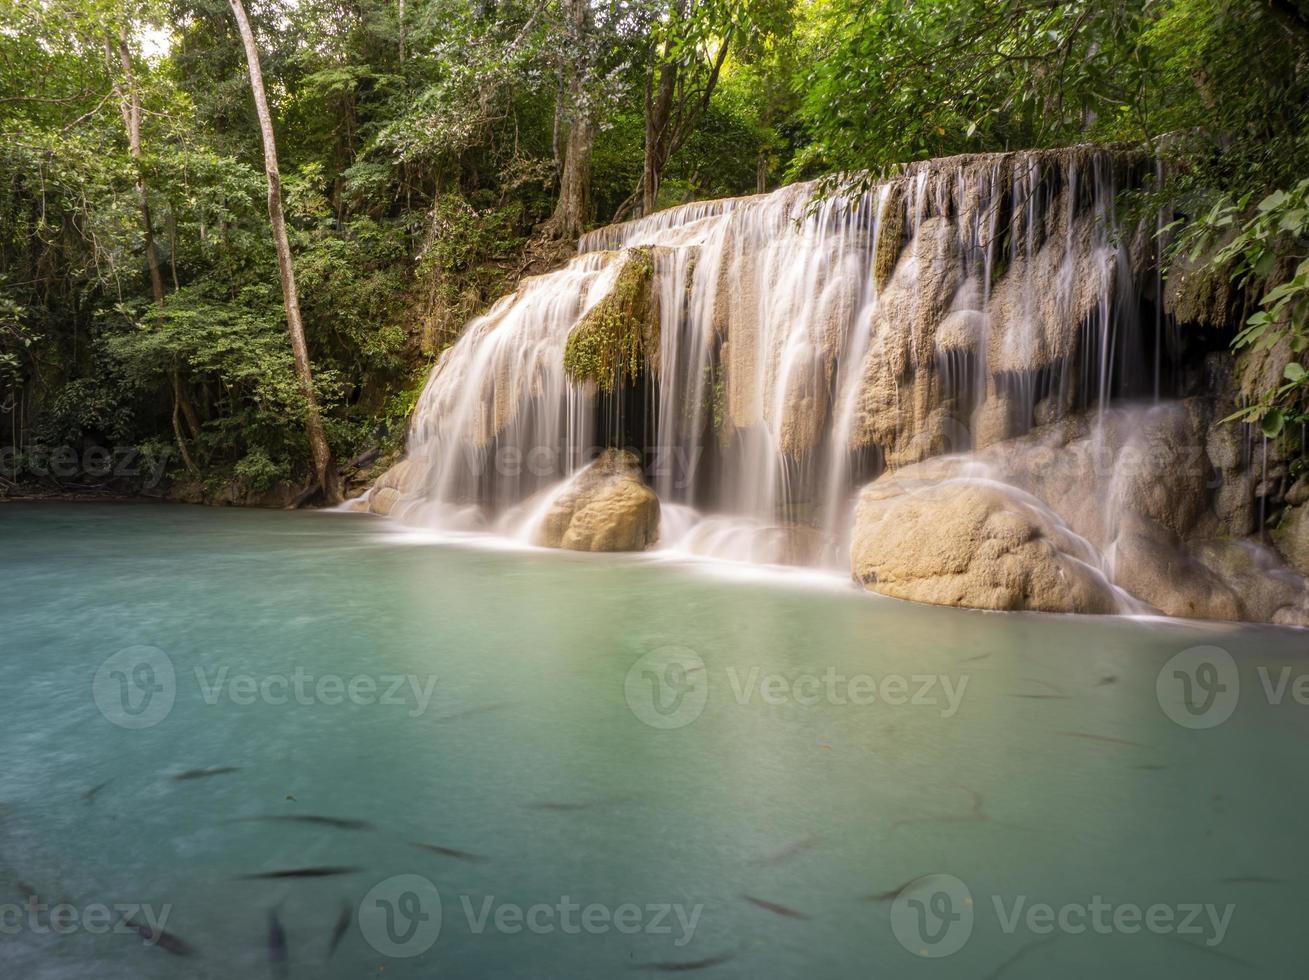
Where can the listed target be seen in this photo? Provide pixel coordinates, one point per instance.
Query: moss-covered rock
(618, 338)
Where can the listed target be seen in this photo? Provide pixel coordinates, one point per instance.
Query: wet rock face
(606, 507)
(1127, 497)
(400, 480)
(932, 533)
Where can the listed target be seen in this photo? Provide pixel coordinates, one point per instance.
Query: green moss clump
(890, 235)
(619, 336)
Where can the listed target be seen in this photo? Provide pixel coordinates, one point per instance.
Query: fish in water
(322, 872)
(276, 944)
(773, 907)
(1107, 679)
(204, 773)
(1042, 697)
(480, 709)
(449, 852)
(683, 967)
(891, 893)
(791, 850)
(339, 823)
(1022, 952)
(340, 929)
(164, 940)
(90, 794)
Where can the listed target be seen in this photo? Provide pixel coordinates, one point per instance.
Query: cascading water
(805, 341)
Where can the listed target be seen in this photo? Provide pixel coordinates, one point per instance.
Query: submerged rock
(932, 533)
(605, 507)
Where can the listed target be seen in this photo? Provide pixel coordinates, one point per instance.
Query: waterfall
(807, 340)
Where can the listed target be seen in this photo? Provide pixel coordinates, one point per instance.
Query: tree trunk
(129, 104)
(400, 22)
(658, 112)
(573, 210)
(324, 468)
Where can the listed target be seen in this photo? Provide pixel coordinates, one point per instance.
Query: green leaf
(1272, 423)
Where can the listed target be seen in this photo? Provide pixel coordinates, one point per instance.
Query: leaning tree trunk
(324, 468)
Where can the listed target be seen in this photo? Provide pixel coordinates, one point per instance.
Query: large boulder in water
(936, 533)
(606, 507)
(399, 481)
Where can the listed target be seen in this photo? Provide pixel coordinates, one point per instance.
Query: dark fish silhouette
(340, 929)
(480, 709)
(339, 823)
(673, 967)
(323, 872)
(90, 794)
(1042, 697)
(166, 941)
(773, 907)
(1052, 688)
(1022, 951)
(204, 773)
(276, 944)
(1107, 679)
(891, 893)
(449, 852)
(791, 850)
(1102, 738)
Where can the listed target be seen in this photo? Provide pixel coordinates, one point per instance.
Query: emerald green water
(1054, 778)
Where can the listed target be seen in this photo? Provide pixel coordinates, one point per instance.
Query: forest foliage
(433, 151)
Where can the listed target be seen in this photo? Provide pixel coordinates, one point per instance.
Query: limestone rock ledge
(1046, 521)
(946, 539)
(605, 507)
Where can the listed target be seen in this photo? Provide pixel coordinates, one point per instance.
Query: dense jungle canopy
(432, 152)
